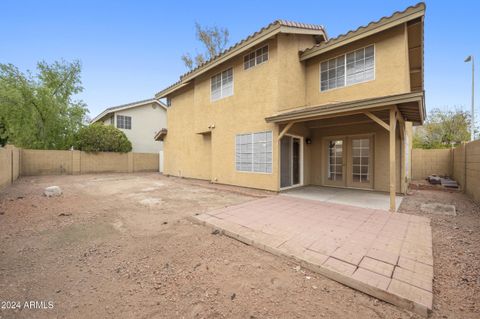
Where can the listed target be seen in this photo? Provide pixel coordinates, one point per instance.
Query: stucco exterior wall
(188, 153)
(292, 80)
(146, 121)
(282, 83)
(391, 70)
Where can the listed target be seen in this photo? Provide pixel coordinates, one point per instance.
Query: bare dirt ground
(119, 246)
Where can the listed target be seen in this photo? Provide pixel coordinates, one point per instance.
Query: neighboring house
(140, 121)
(287, 107)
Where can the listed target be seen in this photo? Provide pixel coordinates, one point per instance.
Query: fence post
(76, 166)
(130, 162)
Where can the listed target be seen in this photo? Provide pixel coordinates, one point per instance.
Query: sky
(130, 50)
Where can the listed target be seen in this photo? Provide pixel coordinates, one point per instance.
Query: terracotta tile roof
(274, 24)
(371, 25)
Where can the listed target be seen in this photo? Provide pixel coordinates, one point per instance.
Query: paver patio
(386, 255)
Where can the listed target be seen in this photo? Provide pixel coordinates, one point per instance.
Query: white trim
(106, 112)
(345, 67)
(301, 159)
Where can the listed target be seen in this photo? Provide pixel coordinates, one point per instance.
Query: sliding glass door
(290, 161)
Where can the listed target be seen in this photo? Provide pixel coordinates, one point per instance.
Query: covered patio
(362, 144)
(388, 256)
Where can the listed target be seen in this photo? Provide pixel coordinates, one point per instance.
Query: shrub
(102, 138)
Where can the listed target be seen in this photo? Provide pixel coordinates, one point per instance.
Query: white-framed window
(255, 57)
(222, 85)
(333, 73)
(348, 69)
(254, 152)
(124, 122)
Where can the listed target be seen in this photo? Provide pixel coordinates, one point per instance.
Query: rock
(52, 191)
(233, 296)
(438, 209)
(215, 232)
(308, 277)
(64, 214)
(296, 268)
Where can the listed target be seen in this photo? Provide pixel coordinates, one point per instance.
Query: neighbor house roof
(397, 18)
(112, 109)
(276, 27)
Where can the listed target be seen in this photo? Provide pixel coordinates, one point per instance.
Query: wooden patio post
(393, 122)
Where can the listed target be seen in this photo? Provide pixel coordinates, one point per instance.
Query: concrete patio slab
(345, 196)
(386, 255)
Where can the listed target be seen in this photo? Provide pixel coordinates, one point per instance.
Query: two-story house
(287, 107)
(140, 121)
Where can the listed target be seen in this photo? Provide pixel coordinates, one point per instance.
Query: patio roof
(411, 105)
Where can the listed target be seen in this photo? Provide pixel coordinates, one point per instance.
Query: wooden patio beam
(401, 123)
(378, 120)
(285, 129)
(392, 170)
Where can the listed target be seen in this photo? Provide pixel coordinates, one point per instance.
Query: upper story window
(222, 85)
(256, 57)
(124, 122)
(351, 68)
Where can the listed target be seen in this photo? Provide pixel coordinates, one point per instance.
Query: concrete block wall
(428, 162)
(466, 159)
(462, 163)
(9, 165)
(52, 162)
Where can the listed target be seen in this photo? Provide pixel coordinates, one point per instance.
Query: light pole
(472, 124)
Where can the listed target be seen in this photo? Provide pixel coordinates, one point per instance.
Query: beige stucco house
(289, 106)
(140, 121)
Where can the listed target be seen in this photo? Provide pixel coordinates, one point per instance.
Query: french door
(291, 150)
(349, 161)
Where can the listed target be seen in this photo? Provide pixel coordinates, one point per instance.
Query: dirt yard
(119, 246)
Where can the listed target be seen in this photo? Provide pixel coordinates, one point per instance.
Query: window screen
(124, 122)
(256, 57)
(354, 67)
(222, 85)
(254, 152)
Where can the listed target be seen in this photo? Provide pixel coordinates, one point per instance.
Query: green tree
(443, 129)
(3, 134)
(214, 39)
(102, 138)
(38, 111)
